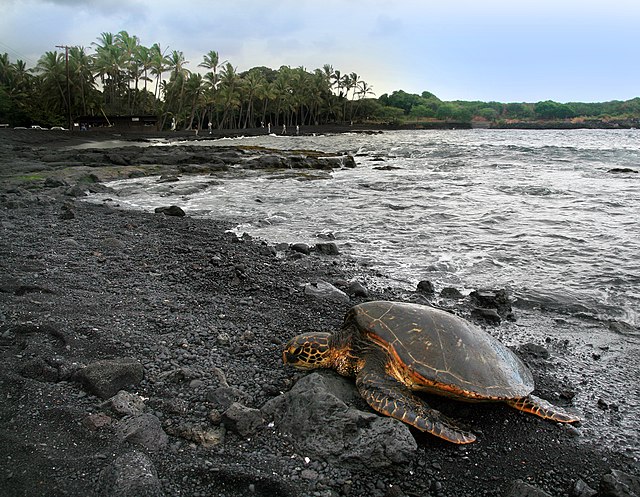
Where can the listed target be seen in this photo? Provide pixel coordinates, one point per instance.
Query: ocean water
(536, 212)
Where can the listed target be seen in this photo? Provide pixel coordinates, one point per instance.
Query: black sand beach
(188, 322)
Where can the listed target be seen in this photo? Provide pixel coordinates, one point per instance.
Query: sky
(490, 50)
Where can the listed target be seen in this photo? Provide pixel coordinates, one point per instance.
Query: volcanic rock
(316, 414)
(172, 210)
(131, 475)
(534, 350)
(325, 291)
(242, 419)
(54, 182)
(450, 293)
(127, 404)
(357, 289)
(521, 489)
(144, 431)
(426, 287)
(105, 378)
(327, 248)
(581, 489)
(223, 397)
(619, 484)
(493, 299)
(487, 315)
(302, 248)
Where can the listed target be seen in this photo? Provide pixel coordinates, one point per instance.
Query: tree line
(428, 106)
(120, 76)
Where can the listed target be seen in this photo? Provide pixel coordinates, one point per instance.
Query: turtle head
(308, 351)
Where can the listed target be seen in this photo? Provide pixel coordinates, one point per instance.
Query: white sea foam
(533, 211)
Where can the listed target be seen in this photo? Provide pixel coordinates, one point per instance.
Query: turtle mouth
(295, 360)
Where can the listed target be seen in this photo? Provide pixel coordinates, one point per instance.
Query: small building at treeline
(136, 123)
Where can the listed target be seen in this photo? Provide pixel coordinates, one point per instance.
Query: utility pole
(66, 60)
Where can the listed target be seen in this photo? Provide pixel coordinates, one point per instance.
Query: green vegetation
(123, 77)
(428, 106)
(31, 177)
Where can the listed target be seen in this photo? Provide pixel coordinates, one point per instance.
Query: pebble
(202, 307)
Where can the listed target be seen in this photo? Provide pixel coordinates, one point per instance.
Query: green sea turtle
(394, 349)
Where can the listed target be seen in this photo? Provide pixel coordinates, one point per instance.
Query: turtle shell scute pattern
(433, 350)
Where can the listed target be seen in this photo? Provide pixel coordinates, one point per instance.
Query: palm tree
(194, 89)
(325, 79)
(19, 86)
(128, 46)
(176, 65)
(144, 61)
(19, 74)
(254, 85)
(284, 94)
(81, 73)
(211, 61)
(268, 94)
(158, 66)
(5, 68)
(229, 92)
(364, 89)
(174, 95)
(337, 80)
(108, 64)
(319, 93)
(301, 93)
(17, 82)
(52, 72)
(347, 83)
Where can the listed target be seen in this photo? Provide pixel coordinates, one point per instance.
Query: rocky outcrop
(619, 484)
(491, 305)
(319, 417)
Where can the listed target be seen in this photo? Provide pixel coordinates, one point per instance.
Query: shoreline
(65, 138)
(205, 314)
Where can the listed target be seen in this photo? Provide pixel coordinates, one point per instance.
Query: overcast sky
(504, 50)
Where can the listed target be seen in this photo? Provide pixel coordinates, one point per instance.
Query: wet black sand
(201, 310)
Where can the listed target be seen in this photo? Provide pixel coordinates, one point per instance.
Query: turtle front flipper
(390, 397)
(542, 408)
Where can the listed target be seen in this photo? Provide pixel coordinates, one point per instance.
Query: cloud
(111, 7)
(494, 49)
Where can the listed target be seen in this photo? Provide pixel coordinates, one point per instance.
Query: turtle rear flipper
(390, 397)
(542, 408)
